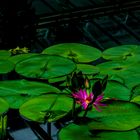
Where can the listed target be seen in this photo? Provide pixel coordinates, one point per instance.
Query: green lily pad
(57, 79)
(6, 66)
(75, 51)
(45, 67)
(136, 95)
(87, 69)
(15, 101)
(118, 116)
(17, 58)
(77, 132)
(125, 70)
(4, 106)
(4, 54)
(123, 52)
(40, 109)
(25, 88)
(117, 91)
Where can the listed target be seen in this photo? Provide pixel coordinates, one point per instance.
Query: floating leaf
(15, 101)
(17, 58)
(123, 52)
(39, 109)
(117, 115)
(136, 95)
(87, 69)
(4, 54)
(44, 66)
(117, 91)
(75, 51)
(57, 79)
(76, 132)
(128, 71)
(25, 88)
(6, 66)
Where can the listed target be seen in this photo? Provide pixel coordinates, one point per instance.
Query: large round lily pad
(19, 57)
(4, 106)
(6, 66)
(45, 66)
(123, 52)
(77, 132)
(49, 108)
(128, 71)
(4, 54)
(75, 51)
(117, 115)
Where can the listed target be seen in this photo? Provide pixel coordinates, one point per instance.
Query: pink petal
(99, 98)
(97, 108)
(85, 105)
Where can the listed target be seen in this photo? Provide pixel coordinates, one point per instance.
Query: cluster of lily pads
(94, 94)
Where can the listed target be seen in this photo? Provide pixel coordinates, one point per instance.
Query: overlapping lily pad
(16, 92)
(4, 106)
(136, 95)
(6, 66)
(87, 69)
(123, 52)
(117, 91)
(45, 66)
(4, 54)
(76, 132)
(75, 51)
(117, 115)
(49, 107)
(128, 71)
(17, 58)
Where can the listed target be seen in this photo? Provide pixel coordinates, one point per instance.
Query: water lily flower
(83, 98)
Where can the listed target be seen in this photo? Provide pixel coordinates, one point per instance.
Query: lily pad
(25, 88)
(45, 67)
(6, 66)
(17, 58)
(128, 71)
(75, 51)
(57, 79)
(123, 52)
(15, 101)
(87, 69)
(4, 54)
(117, 91)
(4, 106)
(77, 132)
(40, 109)
(118, 116)
(136, 95)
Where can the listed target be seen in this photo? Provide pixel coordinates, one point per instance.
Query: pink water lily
(83, 98)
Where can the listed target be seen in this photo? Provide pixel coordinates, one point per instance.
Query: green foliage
(75, 51)
(45, 67)
(35, 94)
(50, 107)
(76, 132)
(117, 115)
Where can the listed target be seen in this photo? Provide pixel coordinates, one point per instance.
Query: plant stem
(49, 129)
(73, 108)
